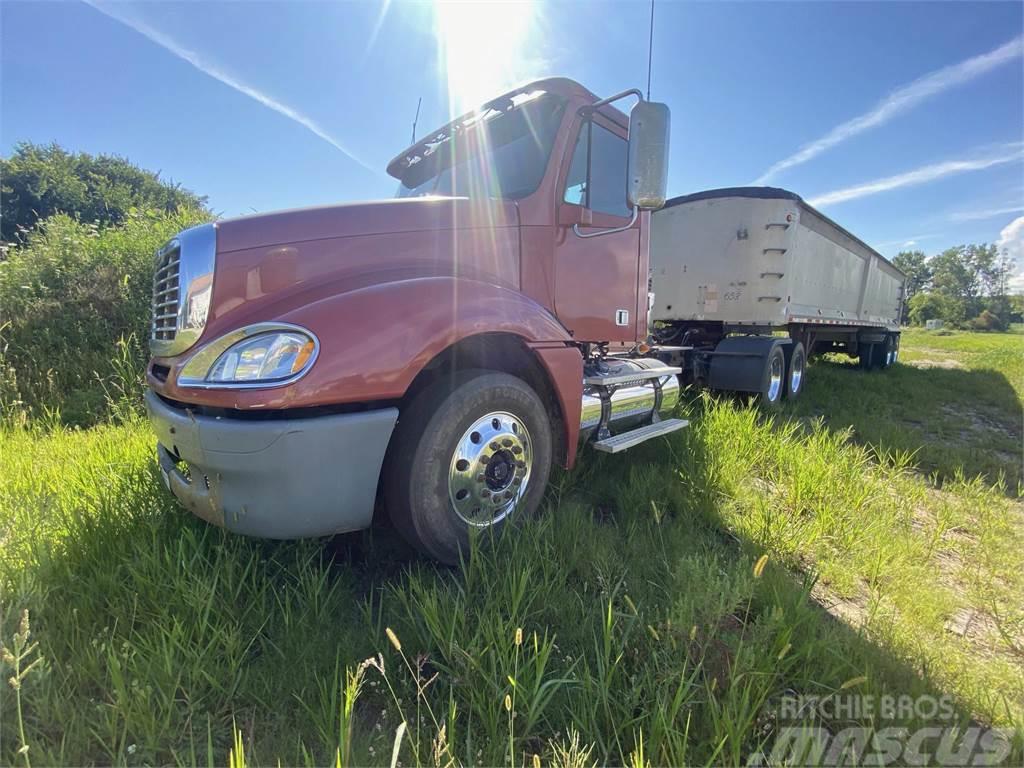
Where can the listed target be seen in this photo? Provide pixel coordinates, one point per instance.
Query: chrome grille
(182, 290)
(166, 293)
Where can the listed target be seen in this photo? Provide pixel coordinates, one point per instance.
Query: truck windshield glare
(504, 154)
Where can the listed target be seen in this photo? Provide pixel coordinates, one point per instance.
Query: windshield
(501, 154)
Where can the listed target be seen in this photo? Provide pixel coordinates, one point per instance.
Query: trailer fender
(737, 362)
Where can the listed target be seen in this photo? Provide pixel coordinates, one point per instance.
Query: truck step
(619, 443)
(637, 375)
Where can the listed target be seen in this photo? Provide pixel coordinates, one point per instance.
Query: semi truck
(529, 292)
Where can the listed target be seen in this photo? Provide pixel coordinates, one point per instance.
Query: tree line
(966, 286)
(38, 181)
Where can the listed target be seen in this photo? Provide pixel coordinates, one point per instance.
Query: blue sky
(903, 121)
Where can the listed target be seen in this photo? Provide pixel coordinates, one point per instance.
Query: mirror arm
(623, 228)
(588, 108)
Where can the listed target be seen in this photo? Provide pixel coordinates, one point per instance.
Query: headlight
(265, 354)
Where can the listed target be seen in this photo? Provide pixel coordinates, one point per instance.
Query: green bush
(40, 181)
(988, 321)
(74, 313)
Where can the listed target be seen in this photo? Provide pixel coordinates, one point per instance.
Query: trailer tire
(889, 357)
(773, 380)
(796, 369)
(469, 454)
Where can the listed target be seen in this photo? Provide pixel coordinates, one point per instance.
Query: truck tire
(773, 381)
(796, 367)
(469, 454)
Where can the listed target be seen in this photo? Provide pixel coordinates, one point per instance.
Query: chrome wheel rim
(775, 378)
(490, 469)
(796, 373)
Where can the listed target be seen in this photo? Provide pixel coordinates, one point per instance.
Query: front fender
(374, 340)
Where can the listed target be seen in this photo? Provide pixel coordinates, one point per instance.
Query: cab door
(596, 278)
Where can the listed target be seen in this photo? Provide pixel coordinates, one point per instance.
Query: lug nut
(507, 442)
(484, 459)
(494, 446)
(516, 450)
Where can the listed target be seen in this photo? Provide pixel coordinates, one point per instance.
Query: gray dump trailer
(737, 273)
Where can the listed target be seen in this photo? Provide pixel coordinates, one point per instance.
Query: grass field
(627, 624)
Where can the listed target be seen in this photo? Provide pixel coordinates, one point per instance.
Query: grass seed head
(759, 566)
(519, 636)
(508, 703)
(393, 638)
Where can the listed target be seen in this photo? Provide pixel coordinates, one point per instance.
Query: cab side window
(597, 173)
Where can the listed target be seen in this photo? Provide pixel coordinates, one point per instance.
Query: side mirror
(647, 182)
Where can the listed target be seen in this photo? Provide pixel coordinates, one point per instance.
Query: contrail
(901, 100)
(212, 70)
(917, 176)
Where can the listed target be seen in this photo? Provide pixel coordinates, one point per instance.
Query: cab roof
(562, 86)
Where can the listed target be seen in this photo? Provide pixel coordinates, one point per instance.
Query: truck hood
(415, 214)
(270, 264)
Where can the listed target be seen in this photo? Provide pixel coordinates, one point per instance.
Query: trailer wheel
(469, 454)
(773, 382)
(795, 368)
(889, 357)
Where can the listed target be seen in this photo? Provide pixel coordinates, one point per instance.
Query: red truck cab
(426, 354)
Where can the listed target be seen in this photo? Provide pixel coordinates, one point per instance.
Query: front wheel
(469, 454)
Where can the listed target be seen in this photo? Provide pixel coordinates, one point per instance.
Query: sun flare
(486, 48)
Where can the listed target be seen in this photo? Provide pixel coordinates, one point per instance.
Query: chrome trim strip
(197, 256)
(193, 373)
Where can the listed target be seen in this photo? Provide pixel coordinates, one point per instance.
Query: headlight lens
(270, 357)
(258, 355)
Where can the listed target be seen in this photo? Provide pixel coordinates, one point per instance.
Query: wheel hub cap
(775, 379)
(490, 469)
(796, 375)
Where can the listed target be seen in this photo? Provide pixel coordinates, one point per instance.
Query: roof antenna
(416, 119)
(650, 52)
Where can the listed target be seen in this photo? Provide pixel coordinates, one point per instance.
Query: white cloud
(213, 70)
(902, 100)
(1011, 242)
(986, 214)
(917, 176)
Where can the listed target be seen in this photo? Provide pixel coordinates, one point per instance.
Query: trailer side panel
(763, 257)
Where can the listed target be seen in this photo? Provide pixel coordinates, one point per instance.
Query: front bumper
(274, 478)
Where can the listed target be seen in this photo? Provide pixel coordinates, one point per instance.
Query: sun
(486, 48)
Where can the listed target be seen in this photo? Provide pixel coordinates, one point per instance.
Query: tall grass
(74, 316)
(634, 621)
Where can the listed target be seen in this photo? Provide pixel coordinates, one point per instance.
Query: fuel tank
(631, 405)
